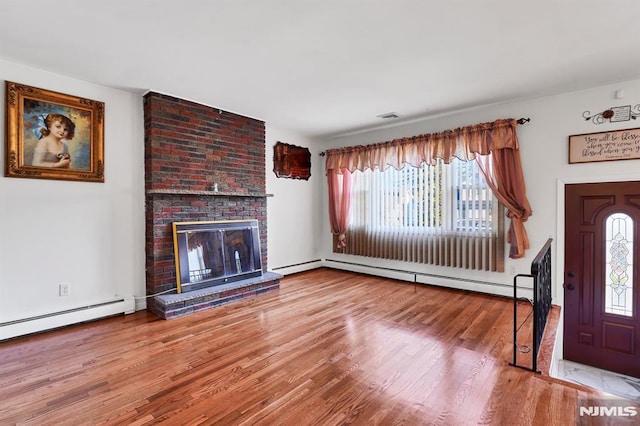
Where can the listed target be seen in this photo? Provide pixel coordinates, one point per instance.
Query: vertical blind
(441, 214)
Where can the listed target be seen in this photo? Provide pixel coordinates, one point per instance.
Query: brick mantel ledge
(214, 193)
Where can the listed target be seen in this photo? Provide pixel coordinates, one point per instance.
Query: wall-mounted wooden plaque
(290, 161)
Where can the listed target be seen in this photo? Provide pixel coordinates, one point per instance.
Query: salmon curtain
(493, 145)
(503, 174)
(339, 204)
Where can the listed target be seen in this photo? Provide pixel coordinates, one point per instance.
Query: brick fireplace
(201, 163)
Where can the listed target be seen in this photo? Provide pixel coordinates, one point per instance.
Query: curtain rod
(519, 121)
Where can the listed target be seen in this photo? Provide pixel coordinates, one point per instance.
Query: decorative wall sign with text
(605, 146)
(614, 114)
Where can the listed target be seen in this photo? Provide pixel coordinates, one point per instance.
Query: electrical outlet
(512, 270)
(64, 289)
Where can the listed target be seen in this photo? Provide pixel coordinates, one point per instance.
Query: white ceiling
(326, 67)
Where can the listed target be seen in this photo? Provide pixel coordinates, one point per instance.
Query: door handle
(569, 286)
(571, 274)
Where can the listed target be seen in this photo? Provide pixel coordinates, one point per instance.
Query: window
(439, 214)
(619, 265)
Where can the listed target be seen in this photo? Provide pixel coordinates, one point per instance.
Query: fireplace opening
(210, 253)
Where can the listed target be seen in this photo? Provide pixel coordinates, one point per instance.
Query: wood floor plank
(329, 348)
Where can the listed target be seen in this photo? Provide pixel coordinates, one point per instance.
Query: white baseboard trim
(298, 267)
(497, 289)
(370, 270)
(140, 303)
(53, 320)
(471, 285)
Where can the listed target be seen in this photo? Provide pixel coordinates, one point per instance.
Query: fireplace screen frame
(225, 262)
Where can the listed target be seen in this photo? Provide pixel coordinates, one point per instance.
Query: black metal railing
(541, 304)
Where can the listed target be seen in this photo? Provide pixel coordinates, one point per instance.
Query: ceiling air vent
(388, 115)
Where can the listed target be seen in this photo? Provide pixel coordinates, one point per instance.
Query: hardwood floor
(328, 348)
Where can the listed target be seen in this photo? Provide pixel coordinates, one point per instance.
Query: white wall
(90, 235)
(544, 151)
(294, 211)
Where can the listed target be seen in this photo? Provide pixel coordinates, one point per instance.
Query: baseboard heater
(298, 267)
(497, 289)
(53, 320)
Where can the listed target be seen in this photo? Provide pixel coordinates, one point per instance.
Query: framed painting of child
(51, 135)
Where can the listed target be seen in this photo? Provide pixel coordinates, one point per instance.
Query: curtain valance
(463, 143)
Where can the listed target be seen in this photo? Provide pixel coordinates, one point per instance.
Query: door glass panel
(619, 265)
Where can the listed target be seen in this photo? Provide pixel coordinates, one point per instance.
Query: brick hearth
(201, 163)
(168, 306)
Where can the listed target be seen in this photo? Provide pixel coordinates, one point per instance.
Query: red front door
(601, 280)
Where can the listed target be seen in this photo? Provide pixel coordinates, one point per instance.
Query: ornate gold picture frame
(51, 135)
